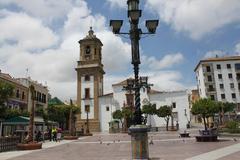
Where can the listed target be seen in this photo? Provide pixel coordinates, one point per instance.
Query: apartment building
(19, 99)
(41, 93)
(219, 78)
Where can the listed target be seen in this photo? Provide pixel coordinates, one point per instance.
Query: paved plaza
(166, 146)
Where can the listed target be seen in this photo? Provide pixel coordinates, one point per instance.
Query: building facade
(219, 79)
(89, 81)
(41, 93)
(19, 100)
(120, 98)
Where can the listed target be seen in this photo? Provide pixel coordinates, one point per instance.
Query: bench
(184, 134)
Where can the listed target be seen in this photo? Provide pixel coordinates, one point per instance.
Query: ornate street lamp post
(138, 131)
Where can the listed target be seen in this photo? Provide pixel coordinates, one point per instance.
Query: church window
(87, 78)
(87, 108)
(87, 93)
(88, 50)
(107, 108)
(174, 105)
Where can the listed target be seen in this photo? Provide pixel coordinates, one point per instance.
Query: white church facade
(98, 107)
(115, 101)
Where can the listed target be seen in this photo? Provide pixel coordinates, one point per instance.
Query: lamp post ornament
(139, 145)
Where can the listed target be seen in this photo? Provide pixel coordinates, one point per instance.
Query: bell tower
(89, 82)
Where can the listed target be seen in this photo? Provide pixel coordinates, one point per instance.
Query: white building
(219, 78)
(116, 100)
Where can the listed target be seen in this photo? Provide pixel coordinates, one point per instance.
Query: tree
(205, 108)
(149, 109)
(224, 107)
(165, 112)
(126, 114)
(60, 113)
(6, 91)
(118, 115)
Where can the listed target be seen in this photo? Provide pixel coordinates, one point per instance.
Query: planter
(88, 134)
(184, 134)
(70, 137)
(29, 146)
(210, 135)
(207, 138)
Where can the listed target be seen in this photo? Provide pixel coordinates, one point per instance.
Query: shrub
(232, 125)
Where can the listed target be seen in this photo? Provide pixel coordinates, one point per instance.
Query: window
(223, 96)
(87, 93)
(219, 76)
(229, 75)
(239, 86)
(174, 104)
(107, 108)
(87, 78)
(212, 97)
(209, 78)
(228, 66)
(237, 66)
(210, 88)
(231, 85)
(238, 76)
(23, 95)
(17, 94)
(208, 68)
(87, 108)
(221, 86)
(233, 95)
(218, 66)
(87, 50)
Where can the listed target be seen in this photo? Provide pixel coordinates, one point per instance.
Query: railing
(8, 143)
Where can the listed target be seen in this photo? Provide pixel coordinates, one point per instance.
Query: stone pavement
(45, 145)
(166, 146)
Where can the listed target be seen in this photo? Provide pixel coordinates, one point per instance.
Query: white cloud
(166, 80)
(45, 9)
(24, 31)
(237, 48)
(166, 62)
(116, 53)
(216, 53)
(117, 3)
(196, 17)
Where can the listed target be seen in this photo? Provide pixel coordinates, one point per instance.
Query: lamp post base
(139, 141)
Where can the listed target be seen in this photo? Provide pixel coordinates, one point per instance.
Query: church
(98, 107)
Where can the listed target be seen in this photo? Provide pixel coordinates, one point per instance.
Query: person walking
(38, 136)
(59, 134)
(54, 133)
(50, 134)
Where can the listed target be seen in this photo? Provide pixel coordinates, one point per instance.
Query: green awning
(24, 120)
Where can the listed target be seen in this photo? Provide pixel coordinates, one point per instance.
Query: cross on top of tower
(90, 32)
(90, 36)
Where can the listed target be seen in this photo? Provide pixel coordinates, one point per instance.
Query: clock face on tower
(87, 50)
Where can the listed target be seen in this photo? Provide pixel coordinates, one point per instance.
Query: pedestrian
(59, 134)
(54, 133)
(50, 134)
(82, 130)
(38, 135)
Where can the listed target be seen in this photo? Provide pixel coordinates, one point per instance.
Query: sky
(39, 38)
